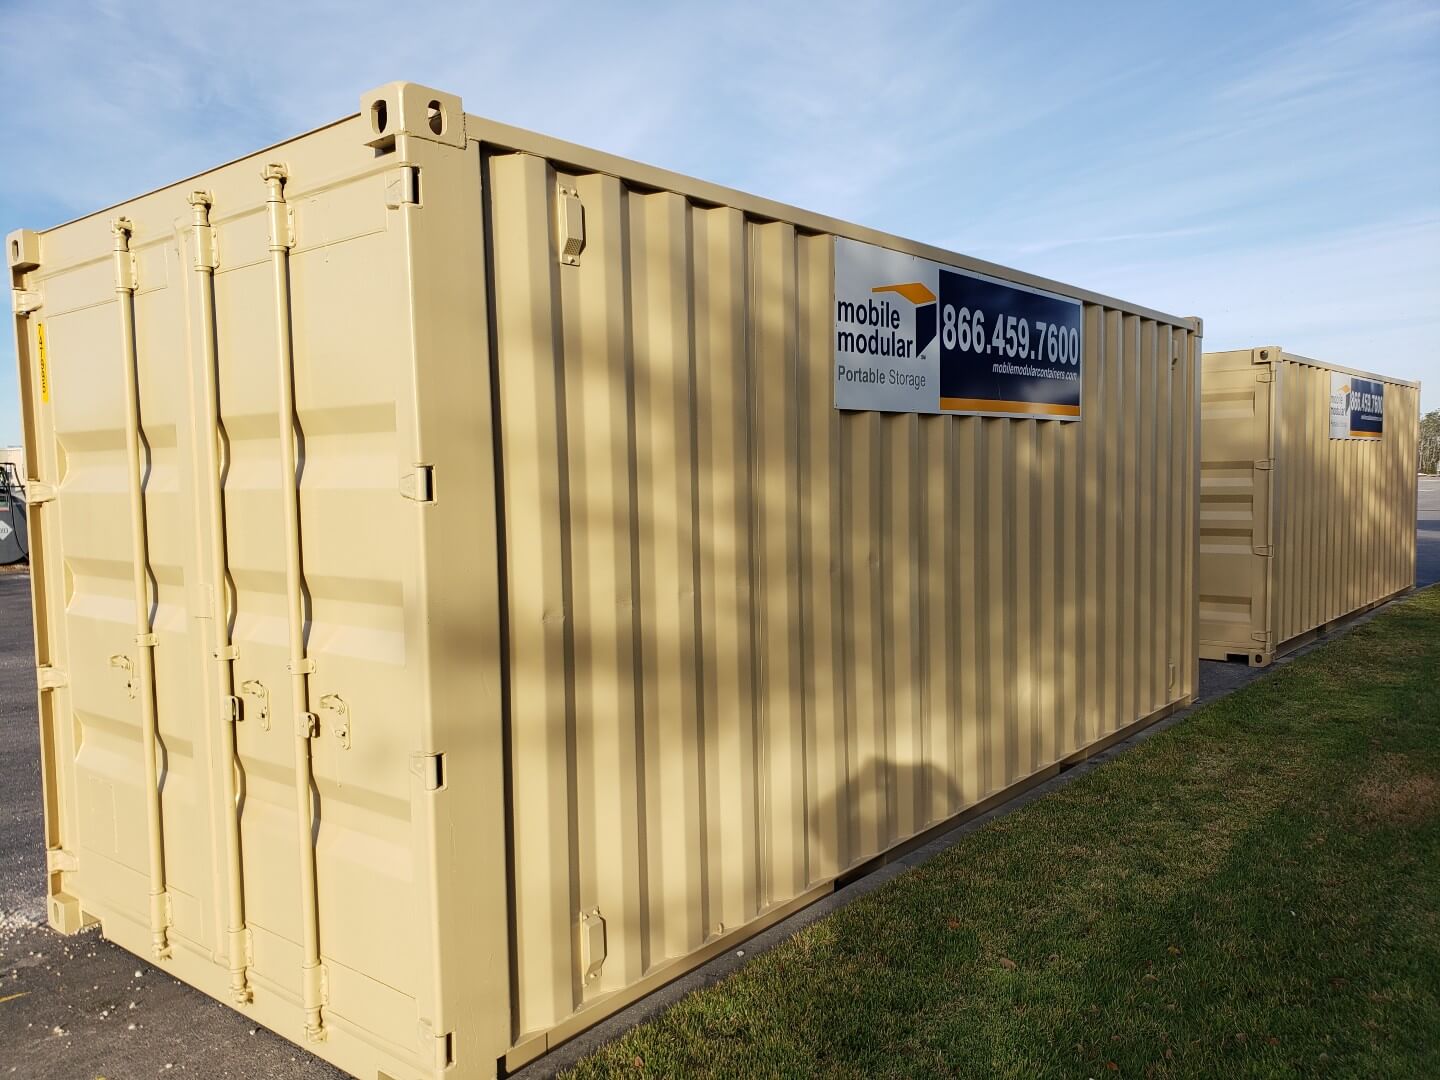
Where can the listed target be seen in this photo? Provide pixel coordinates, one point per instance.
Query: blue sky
(1274, 168)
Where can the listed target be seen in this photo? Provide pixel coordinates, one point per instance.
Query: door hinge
(1263, 637)
(126, 268)
(1267, 550)
(58, 860)
(430, 768)
(282, 215)
(570, 225)
(1265, 464)
(402, 187)
(420, 484)
(207, 246)
(24, 301)
(50, 678)
(444, 1044)
(1265, 376)
(37, 492)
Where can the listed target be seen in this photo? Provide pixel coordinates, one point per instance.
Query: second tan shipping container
(461, 606)
(1308, 489)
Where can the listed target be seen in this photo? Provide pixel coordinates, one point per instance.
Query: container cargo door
(1237, 471)
(167, 537)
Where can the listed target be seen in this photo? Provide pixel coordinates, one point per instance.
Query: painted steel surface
(1298, 529)
(617, 640)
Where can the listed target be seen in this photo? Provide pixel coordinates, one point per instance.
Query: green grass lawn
(1255, 892)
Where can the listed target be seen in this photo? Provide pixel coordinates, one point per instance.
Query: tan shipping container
(460, 607)
(1301, 526)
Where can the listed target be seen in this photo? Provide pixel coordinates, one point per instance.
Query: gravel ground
(80, 1007)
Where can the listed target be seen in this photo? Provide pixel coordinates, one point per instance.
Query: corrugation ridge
(940, 611)
(527, 390)
(965, 554)
(1190, 685)
(1159, 351)
(752, 436)
(1093, 573)
(900, 639)
(1317, 411)
(1127, 425)
(1111, 425)
(779, 623)
(643, 792)
(820, 480)
(1182, 512)
(1318, 431)
(723, 540)
(1174, 459)
(1292, 401)
(1159, 481)
(597, 387)
(1020, 592)
(1042, 597)
(700, 796)
(567, 594)
(662, 250)
(996, 530)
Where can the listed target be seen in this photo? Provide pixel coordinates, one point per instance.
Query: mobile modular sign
(912, 335)
(1357, 407)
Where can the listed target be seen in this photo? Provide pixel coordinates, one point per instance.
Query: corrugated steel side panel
(755, 641)
(1345, 508)
(1297, 529)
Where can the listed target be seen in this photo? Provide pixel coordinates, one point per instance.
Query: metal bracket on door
(336, 704)
(125, 664)
(256, 689)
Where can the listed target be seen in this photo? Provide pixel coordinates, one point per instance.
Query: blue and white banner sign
(1357, 407)
(912, 335)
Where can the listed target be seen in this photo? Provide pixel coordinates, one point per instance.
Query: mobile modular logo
(887, 349)
(884, 323)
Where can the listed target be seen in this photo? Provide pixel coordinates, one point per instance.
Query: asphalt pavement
(79, 1007)
(1427, 533)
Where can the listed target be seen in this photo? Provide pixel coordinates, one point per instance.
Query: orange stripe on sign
(1033, 408)
(914, 291)
(1365, 434)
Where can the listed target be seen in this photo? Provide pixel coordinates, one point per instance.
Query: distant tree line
(1430, 441)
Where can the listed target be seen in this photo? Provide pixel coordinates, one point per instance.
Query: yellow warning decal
(44, 363)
